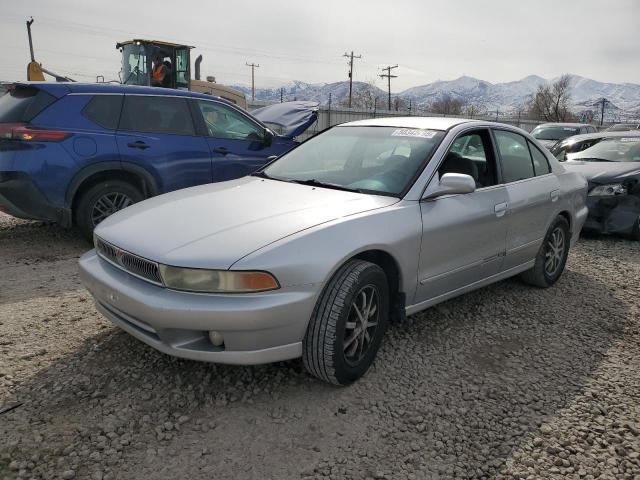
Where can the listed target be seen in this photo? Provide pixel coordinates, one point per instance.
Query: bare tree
(472, 110)
(400, 104)
(363, 97)
(447, 106)
(551, 101)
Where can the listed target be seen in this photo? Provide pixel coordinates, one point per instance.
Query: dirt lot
(506, 382)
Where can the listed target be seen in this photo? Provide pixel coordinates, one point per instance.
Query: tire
(120, 193)
(331, 343)
(635, 231)
(542, 274)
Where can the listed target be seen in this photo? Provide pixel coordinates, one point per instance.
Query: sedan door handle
(221, 150)
(138, 144)
(500, 209)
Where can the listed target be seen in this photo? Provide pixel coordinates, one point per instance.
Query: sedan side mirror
(452, 183)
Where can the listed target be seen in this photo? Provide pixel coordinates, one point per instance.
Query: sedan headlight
(608, 190)
(217, 281)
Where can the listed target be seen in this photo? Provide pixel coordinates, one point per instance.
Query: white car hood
(213, 226)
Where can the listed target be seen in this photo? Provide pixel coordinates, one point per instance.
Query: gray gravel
(506, 382)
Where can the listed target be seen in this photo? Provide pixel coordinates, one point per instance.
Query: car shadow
(457, 389)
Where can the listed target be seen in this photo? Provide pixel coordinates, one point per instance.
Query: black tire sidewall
(562, 223)
(90, 197)
(345, 373)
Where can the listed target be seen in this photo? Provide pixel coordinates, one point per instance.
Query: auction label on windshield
(630, 139)
(413, 132)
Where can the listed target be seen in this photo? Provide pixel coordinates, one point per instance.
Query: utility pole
(281, 92)
(351, 56)
(602, 104)
(388, 76)
(253, 78)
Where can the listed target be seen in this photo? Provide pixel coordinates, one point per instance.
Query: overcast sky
(495, 40)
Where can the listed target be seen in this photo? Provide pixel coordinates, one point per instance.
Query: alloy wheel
(554, 253)
(361, 324)
(108, 204)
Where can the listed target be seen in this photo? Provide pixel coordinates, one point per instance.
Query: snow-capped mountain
(506, 97)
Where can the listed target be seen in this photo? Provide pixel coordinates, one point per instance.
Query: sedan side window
(540, 162)
(514, 156)
(224, 122)
(472, 154)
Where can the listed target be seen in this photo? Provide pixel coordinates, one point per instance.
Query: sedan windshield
(616, 149)
(378, 160)
(554, 133)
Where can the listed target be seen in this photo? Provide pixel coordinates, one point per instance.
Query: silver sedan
(316, 253)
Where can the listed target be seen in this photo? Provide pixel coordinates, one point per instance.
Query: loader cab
(137, 58)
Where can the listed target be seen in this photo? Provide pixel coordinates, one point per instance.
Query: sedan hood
(291, 118)
(213, 226)
(603, 172)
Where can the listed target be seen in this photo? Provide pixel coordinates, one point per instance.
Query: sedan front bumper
(257, 328)
(613, 215)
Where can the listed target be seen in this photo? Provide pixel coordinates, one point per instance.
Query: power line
(351, 56)
(388, 76)
(253, 78)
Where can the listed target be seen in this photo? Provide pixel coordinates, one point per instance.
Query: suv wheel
(103, 200)
(347, 324)
(552, 256)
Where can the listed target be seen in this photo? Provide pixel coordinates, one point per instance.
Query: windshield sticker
(413, 132)
(569, 129)
(630, 139)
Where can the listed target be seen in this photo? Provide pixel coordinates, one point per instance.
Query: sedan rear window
(554, 133)
(23, 103)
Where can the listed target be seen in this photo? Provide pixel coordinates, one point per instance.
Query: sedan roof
(432, 123)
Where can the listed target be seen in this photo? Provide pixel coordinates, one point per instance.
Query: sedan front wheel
(347, 324)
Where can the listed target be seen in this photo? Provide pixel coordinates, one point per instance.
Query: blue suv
(76, 153)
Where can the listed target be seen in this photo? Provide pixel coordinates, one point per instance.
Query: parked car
(370, 220)
(75, 153)
(623, 127)
(611, 163)
(548, 134)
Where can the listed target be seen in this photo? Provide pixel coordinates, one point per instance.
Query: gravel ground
(506, 382)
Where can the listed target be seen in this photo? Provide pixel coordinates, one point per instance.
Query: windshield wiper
(312, 182)
(262, 174)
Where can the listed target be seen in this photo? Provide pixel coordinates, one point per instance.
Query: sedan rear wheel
(348, 323)
(552, 256)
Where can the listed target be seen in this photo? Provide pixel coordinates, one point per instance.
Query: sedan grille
(133, 264)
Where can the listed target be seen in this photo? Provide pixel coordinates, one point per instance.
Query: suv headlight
(216, 281)
(608, 190)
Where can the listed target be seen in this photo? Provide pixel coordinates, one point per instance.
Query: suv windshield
(134, 65)
(616, 149)
(554, 133)
(379, 160)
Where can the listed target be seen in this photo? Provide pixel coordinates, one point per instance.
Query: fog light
(216, 338)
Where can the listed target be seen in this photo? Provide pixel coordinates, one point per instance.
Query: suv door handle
(500, 209)
(221, 150)
(138, 144)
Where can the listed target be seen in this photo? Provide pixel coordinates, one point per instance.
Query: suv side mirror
(268, 137)
(452, 183)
